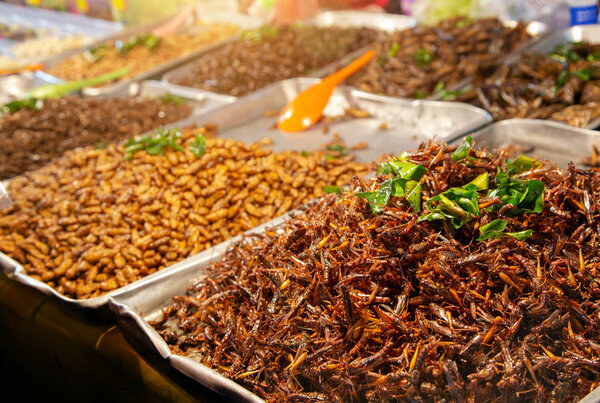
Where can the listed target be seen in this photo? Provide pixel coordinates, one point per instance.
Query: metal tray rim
(402, 23)
(542, 122)
(155, 71)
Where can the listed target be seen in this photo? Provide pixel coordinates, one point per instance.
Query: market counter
(50, 352)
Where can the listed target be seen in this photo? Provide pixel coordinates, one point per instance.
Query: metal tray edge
(152, 73)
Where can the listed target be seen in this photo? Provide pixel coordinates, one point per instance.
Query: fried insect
(343, 304)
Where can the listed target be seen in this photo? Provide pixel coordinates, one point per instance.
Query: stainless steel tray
(345, 19)
(200, 103)
(54, 23)
(143, 302)
(580, 33)
(536, 29)
(409, 121)
(546, 43)
(243, 21)
(15, 86)
(542, 139)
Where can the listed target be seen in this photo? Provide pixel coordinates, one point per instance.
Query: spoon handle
(340, 75)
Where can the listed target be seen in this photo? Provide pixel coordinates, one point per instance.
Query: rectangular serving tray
(54, 23)
(244, 21)
(547, 42)
(345, 19)
(542, 139)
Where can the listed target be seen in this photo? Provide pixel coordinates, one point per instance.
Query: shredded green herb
(448, 95)
(95, 53)
(521, 164)
(101, 145)
(495, 229)
(337, 147)
(525, 196)
(459, 205)
(27, 103)
(404, 183)
(565, 53)
(332, 189)
(420, 94)
(584, 74)
(256, 35)
(462, 151)
(562, 78)
(422, 57)
(153, 144)
(172, 99)
(393, 50)
(198, 146)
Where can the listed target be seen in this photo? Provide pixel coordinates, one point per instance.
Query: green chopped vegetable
(413, 195)
(332, 189)
(153, 144)
(14, 106)
(526, 196)
(594, 57)
(439, 86)
(481, 182)
(59, 90)
(462, 151)
(521, 164)
(148, 40)
(198, 146)
(465, 22)
(584, 74)
(305, 153)
(402, 169)
(495, 229)
(95, 53)
(422, 57)
(458, 205)
(420, 94)
(172, 99)
(101, 145)
(379, 198)
(337, 147)
(256, 35)
(448, 95)
(565, 53)
(393, 50)
(404, 183)
(562, 78)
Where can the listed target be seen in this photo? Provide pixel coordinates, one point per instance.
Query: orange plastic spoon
(307, 108)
